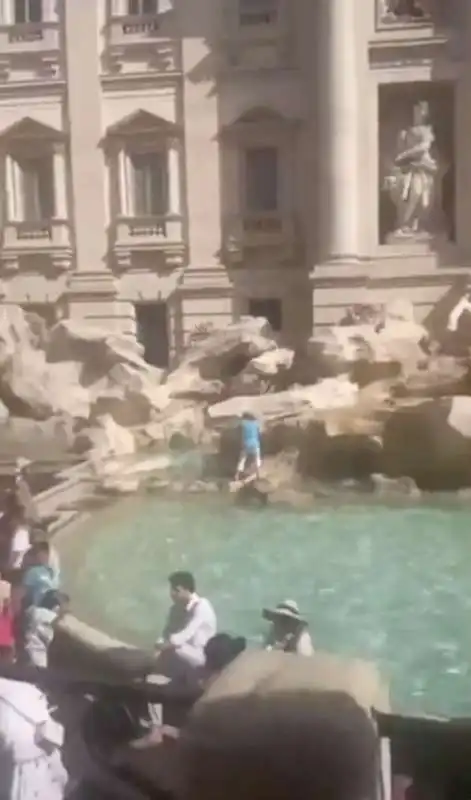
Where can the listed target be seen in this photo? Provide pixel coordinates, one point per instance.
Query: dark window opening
(28, 11)
(152, 332)
(271, 308)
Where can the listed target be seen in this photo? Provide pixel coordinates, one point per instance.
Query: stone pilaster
(11, 185)
(174, 199)
(60, 182)
(92, 290)
(339, 120)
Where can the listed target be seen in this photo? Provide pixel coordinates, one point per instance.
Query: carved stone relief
(403, 11)
(417, 169)
(441, 13)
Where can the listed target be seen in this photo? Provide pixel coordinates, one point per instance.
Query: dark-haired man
(191, 621)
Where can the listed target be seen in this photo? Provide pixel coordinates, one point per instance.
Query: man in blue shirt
(251, 450)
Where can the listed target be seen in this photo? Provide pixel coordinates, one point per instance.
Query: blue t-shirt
(36, 582)
(250, 434)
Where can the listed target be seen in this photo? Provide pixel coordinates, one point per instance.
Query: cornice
(33, 89)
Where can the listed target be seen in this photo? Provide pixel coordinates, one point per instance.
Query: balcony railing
(36, 236)
(149, 232)
(139, 29)
(258, 231)
(29, 37)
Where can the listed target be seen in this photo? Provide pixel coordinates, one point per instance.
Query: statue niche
(416, 202)
(403, 11)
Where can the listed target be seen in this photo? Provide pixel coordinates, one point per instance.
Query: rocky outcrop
(377, 396)
(220, 356)
(431, 442)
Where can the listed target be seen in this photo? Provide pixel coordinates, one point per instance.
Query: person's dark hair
(248, 415)
(53, 599)
(222, 649)
(182, 580)
(40, 548)
(286, 746)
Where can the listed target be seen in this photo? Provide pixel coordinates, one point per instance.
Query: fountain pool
(384, 583)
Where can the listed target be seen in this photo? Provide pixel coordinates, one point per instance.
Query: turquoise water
(388, 584)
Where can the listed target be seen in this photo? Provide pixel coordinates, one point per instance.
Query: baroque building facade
(169, 164)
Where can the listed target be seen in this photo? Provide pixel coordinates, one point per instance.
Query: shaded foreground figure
(316, 745)
(31, 765)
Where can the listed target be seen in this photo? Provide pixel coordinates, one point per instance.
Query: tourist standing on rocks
(191, 623)
(251, 452)
(288, 631)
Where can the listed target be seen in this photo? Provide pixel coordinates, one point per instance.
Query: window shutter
(46, 188)
(139, 187)
(29, 185)
(159, 184)
(139, 7)
(150, 184)
(37, 189)
(35, 10)
(20, 11)
(261, 179)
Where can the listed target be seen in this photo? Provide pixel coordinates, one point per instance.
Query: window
(138, 8)
(261, 179)
(28, 11)
(149, 184)
(152, 332)
(37, 188)
(257, 12)
(270, 308)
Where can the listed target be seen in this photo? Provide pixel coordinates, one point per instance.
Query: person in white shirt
(20, 541)
(191, 621)
(288, 632)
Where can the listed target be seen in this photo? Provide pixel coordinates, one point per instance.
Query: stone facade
(169, 164)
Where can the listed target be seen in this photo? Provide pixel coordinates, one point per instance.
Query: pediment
(29, 128)
(141, 122)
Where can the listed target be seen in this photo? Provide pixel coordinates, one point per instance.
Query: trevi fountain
(366, 480)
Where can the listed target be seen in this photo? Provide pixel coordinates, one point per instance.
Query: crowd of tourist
(191, 628)
(31, 741)
(31, 603)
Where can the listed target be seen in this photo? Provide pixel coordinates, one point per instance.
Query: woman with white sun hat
(289, 630)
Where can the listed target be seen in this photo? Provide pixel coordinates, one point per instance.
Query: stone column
(124, 205)
(6, 12)
(60, 183)
(339, 129)
(86, 132)
(118, 8)
(174, 202)
(92, 288)
(13, 210)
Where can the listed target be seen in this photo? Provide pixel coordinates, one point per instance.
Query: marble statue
(402, 10)
(413, 175)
